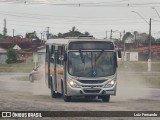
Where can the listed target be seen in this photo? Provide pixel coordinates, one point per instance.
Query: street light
(140, 16)
(156, 11)
(149, 43)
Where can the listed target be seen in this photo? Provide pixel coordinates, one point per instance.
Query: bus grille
(91, 81)
(91, 91)
(92, 86)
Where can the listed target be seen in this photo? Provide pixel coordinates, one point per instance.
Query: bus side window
(47, 53)
(52, 53)
(60, 55)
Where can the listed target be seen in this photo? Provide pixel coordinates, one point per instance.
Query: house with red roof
(25, 48)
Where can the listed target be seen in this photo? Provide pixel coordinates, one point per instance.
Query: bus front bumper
(90, 91)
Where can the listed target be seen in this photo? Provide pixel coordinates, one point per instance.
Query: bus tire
(53, 94)
(105, 98)
(67, 98)
(49, 83)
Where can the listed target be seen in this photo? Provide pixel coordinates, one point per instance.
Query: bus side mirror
(119, 54)
(65, 57)
(52, 59)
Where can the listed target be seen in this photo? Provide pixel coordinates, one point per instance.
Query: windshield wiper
(82, 57)
(99, 56)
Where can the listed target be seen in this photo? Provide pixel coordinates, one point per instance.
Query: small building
(16, 47)
(130, 56)
(25, 48)
(41, 54)
(3, 56)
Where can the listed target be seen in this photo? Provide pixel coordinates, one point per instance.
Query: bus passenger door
(46, 65)
(59, 68)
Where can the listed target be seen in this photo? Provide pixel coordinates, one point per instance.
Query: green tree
(60, 35)
(157, 40)
(126, 36)
(31, 35)
(86, 33)
(73, 29)
(12, 56)
(18, 36)
(143, 38)
(72, 33)
(1, 36)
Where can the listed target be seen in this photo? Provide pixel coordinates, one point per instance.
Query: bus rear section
(85, 68)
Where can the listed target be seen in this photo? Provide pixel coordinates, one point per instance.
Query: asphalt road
(23, 95)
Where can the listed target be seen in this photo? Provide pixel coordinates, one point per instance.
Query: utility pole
(135, 38)
(106, 34)
(47, 33)
(13, 32)
(124, 32)
(124, 47)
(111, 34)
(120, 35)
(135, 35)
(149, 47)
(43, 35)
(149, 42)
(5, 28)
(41, 38)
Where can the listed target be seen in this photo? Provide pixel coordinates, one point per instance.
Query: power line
(47, 16)
(69, 19)
(122, 3)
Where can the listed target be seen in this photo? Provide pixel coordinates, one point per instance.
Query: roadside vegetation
(141, 66)
(17, 67)
(138, 72)
(12, 56)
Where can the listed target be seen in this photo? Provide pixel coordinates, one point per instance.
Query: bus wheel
(105, 98)
(67, 98)
(53, 94)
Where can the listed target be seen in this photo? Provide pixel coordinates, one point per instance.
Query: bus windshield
(91, 64)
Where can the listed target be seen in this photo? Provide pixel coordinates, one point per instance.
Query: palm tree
(73, 29)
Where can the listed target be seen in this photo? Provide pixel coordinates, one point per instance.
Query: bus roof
(63, 41)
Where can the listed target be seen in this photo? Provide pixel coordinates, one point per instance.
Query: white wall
(3, 58)
(133, 56)
(129, 56)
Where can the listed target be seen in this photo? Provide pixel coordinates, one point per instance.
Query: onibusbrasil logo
(21, 114)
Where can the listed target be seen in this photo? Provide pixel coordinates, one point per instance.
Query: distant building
(131, 56)
(3, 55)
(16, 47)
(41, 54)
(25, 48)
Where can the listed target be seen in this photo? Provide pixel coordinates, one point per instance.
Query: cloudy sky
(94, 16)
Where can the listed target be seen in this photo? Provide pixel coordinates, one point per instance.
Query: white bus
(81, 67)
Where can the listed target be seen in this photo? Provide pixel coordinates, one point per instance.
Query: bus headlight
(110, 84)
(72, 84)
